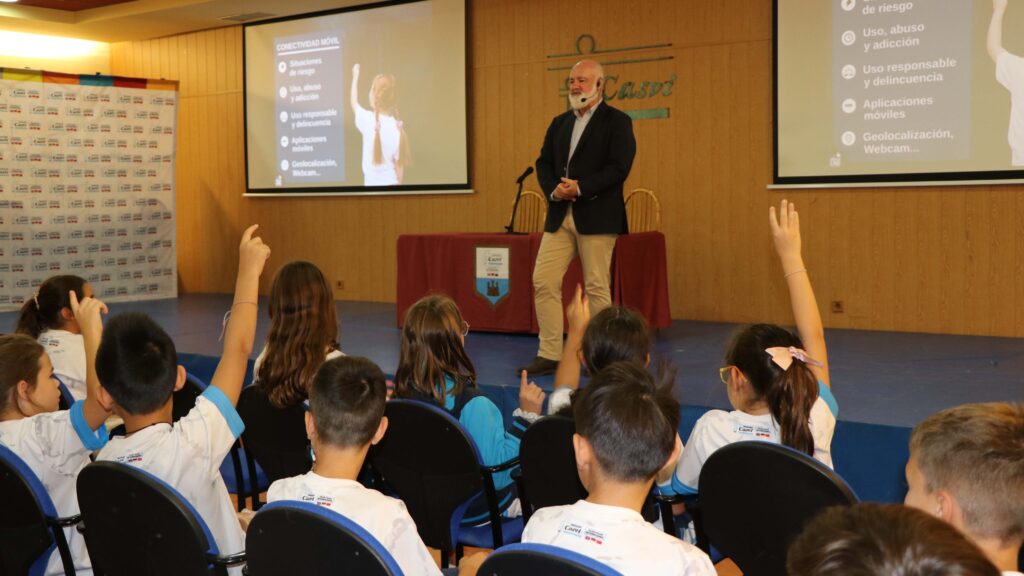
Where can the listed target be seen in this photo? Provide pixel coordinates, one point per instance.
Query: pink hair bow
(783, 357)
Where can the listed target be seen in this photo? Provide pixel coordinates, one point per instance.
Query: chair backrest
(431, 463)
(138, 524)
(542, 559)
(643, 211)
(66, 398)
(275, 437)
(756, 497)
(530, 215)
(548, 463)
(287, 538)
(26, 541)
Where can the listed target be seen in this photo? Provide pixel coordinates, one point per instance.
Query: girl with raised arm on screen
(385, 145)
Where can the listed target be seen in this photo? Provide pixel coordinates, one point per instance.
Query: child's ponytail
(42, 311)
(790, 398)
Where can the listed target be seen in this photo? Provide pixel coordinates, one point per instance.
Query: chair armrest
(65, 521)
(501, 467)
(226, 559)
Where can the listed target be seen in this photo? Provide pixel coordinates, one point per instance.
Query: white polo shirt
(56, 446)
(718, 428)
(384, 517)
(618, 537)
(187, 455)
(67, 354)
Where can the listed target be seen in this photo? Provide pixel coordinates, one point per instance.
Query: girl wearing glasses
(433, 367)
(777, 381)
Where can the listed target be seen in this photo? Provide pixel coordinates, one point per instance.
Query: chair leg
(64, 550)
(444, 557)
(236, 462)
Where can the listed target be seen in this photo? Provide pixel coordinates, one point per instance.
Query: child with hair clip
(433, 367)
(55, 444)
(614, 334)
(48, 318)
(777, 382)
(303, 334)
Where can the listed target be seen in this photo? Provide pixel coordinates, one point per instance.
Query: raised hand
(785, 232)
(578, 313)
(252, 252)
(87, 314)
(531, 397)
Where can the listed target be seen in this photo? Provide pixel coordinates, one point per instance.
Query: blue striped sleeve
(227, 409)
(91, 440)
(826, 394)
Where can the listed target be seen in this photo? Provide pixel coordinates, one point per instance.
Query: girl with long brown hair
(385, 144)
(48, 318)
(433, 367)
(777, 382)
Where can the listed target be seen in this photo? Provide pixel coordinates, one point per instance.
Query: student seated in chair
(625, 434)
(967, 467)
(138, 371)
(346, 417)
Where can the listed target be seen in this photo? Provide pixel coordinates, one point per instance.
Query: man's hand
(572, 187)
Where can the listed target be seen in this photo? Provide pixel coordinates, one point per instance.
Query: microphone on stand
(527, 172)
(515, 205)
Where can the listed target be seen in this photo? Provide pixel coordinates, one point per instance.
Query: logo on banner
(492, 268)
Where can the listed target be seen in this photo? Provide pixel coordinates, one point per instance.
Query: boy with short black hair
(346, 417)
(967, 467)
(626, 428)
(138, 371)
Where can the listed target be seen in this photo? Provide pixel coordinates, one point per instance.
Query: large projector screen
(898, 91)
(369, 99)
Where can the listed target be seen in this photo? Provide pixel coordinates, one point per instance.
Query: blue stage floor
(885, 382)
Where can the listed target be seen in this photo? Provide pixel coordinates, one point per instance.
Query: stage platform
(884, 382)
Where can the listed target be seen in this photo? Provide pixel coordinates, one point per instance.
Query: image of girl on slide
(1009, 73)
(385, 145)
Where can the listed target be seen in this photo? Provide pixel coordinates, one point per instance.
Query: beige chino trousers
(557, 249)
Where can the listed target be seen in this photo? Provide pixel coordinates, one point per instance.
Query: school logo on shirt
(130, 458)
(318, 499)
(577, 531)
(758, 431)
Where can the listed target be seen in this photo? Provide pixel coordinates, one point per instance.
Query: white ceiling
(145, 19)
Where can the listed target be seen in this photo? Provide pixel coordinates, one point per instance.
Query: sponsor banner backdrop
(87, 184)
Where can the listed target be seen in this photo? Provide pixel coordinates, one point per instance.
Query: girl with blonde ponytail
(777, 381)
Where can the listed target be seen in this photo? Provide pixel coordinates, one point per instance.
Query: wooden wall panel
(921, 259)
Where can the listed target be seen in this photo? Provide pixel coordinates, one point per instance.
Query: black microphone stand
(515, 206)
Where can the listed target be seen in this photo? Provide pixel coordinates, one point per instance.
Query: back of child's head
(303, 327)
(41, 312)
(615, 334)
(976, 453)
(789, 393)
(136, 363)
(19, 361)
(630, 420)
(347, 401)
(884, 540)
(432, 349)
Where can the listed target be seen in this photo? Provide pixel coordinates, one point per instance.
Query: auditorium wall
(908, 259)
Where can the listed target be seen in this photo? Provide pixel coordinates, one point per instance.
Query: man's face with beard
(583, 86)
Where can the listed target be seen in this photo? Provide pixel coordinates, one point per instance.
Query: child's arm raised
(578, 314)
(241, 328)
(994, 39)
(786, 235)
(87, 314)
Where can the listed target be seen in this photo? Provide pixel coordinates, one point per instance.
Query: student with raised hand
(883, 540)
(626, 432)
(55, 444)
(612, 335)
(777, 381)
(138, 369)
(47, 316)
(346, 417)
(967, 467)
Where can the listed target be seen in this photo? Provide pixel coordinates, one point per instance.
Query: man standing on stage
(586, 158)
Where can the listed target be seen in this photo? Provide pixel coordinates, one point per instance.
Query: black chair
(542, 559)
(287, 538)
(428, 460)
(547, 460)
(30, 528)
(756, 497)
(138, 524)
(66, 399)
(274, 438)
